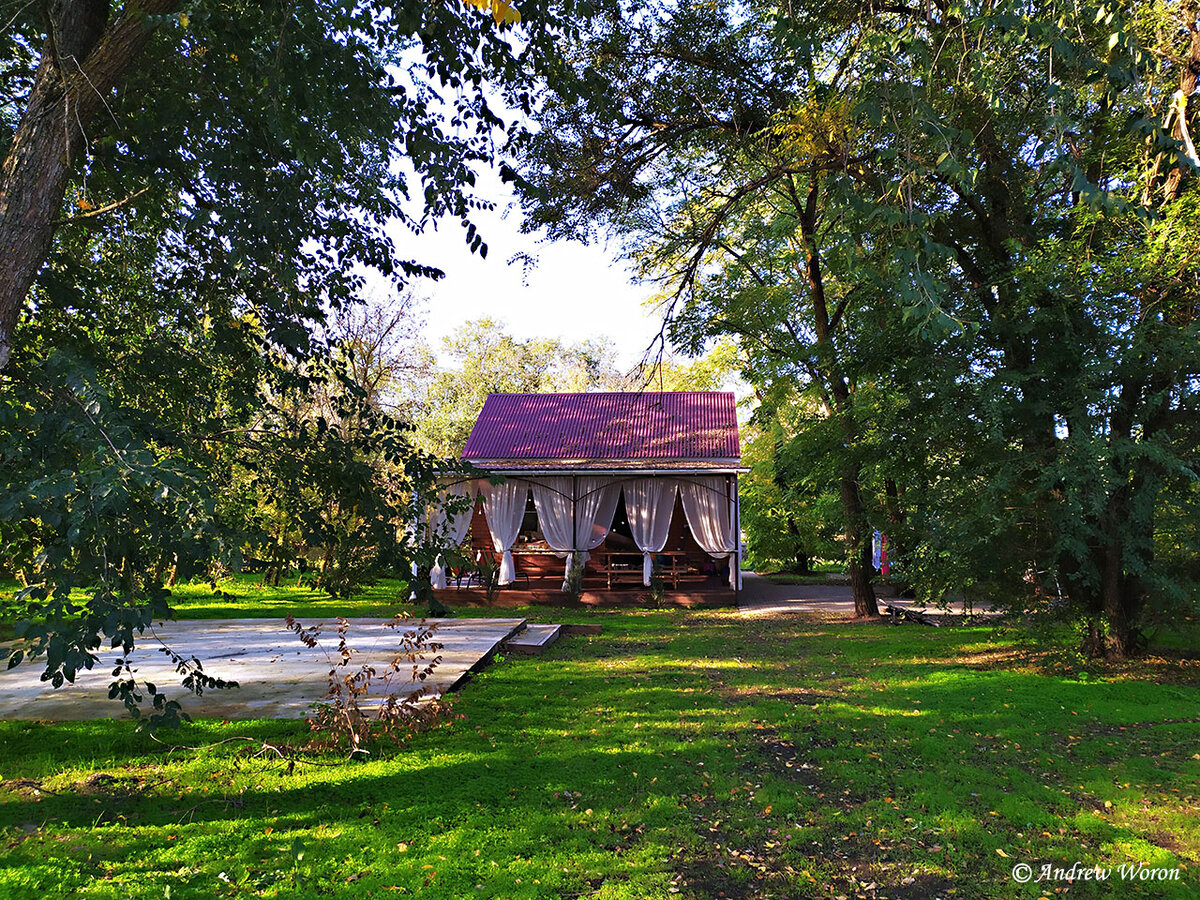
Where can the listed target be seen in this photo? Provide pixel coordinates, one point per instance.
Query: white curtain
(555, 509)
(504, 506)
(595, 506)
(450, 528)
(649, 503)
(709, 510)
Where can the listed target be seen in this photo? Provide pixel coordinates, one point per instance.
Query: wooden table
(627, 565)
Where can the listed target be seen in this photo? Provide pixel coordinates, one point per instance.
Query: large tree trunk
(801, 560)
(1120, 605)
(81, 63)
(1122, 596)
(858, 545)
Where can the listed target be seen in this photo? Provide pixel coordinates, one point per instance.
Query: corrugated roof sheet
(606, 426)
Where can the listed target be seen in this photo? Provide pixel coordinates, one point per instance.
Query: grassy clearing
(246, 597)
(817, 578)
(677, 754)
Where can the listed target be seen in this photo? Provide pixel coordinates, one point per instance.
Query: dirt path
(760, 597)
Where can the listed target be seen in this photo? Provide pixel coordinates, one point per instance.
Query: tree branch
(100, 210)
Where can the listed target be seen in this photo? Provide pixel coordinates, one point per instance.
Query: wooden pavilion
(635, 489)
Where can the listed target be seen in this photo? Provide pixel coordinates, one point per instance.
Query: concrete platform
(278, 676)
(533, 639)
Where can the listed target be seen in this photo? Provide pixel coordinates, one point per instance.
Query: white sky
(575, 292)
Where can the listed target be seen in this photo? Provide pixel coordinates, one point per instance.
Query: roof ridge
(602, 393)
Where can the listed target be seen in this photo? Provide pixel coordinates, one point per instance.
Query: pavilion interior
(616, 564)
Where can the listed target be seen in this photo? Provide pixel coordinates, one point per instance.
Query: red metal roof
(688, 425)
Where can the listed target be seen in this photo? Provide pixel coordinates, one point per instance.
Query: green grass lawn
(246, 597)
(816, 578)
(678, 754)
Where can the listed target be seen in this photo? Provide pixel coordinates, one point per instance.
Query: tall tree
(186, 194)
(715, 152)
(380, 344)
(991, 182)
(1045, 213)
(788, 508)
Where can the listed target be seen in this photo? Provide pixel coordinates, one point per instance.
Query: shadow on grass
(700, 751)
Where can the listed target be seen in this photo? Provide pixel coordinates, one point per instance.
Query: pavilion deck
(549, 593)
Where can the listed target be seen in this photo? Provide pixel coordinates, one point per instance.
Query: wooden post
(737, 538)
(575, 527)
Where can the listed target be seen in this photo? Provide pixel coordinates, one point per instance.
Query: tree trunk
(1093, 641)
(858, 546)
(1181, 107)
(803, 562)
(858, 550)
(1125, 546)
(81, 63)
(1129, 516)
(326, 564)
(1122, 598)
(1116, 602)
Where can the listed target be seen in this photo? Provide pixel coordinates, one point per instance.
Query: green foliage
(329, 483)
(713, 369)
(91, 501)
(487, 574)
(1080, 322)
(786, 501)
(98, 521)
(481, 358)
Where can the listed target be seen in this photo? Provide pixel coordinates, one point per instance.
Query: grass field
(677, 754)
(246, 597)
(817, 578)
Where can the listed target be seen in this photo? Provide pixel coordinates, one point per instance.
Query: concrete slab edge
(486, 659)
